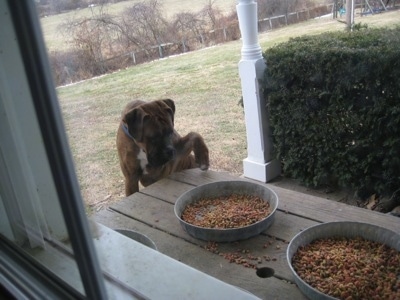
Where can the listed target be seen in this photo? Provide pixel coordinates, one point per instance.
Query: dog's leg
(131, 185)
(131, 179)
(130, 166)
(194, 142)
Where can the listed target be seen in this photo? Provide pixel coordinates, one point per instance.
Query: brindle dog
(149, 148)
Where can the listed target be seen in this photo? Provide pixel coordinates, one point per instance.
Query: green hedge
(334, 106)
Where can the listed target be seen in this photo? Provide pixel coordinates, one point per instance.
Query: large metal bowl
(336, 229)
(226, 188)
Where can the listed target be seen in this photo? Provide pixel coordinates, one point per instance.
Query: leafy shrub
(334, 106)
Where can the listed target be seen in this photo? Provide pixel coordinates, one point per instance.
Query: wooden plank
(205, 261)
(323, 210)
(159, 214)
(168, 190)
(308, 206)
(151, 211)
(286, 226)
(197, 177)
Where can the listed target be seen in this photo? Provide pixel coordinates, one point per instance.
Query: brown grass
(206, 88)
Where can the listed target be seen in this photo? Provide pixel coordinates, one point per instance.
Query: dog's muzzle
(162, 157)
(170, 153)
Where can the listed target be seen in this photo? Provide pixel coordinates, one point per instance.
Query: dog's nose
(170, 152)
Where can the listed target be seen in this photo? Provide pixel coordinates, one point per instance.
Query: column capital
(247, 15)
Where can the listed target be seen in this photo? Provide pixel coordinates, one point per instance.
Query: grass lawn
(206, 88)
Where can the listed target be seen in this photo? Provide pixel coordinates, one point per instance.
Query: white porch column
(258, 165)
(350, 14)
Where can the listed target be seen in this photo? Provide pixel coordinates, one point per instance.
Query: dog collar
(126, 130)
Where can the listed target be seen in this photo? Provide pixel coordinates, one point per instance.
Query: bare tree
(268, 8)
(93, 37)
(189, 26)
(212, 15)
(144, 24)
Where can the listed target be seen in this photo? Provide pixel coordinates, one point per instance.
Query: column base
(263, 172)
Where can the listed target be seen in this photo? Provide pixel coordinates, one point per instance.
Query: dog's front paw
(204, 167)
(203, 160)
(200, 150)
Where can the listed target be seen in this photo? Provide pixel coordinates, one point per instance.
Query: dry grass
(206, 88)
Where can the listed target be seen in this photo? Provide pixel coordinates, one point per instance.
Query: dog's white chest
(142, 157)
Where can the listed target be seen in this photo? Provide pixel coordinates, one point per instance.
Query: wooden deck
(151, 212)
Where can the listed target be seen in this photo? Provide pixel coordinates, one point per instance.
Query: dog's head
(152, 127)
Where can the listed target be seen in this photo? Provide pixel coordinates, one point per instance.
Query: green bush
(334, 106)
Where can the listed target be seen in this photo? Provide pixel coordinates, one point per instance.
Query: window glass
(39, 255)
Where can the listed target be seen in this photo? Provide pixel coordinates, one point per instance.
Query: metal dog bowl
(226, 188)
(336, 229)
(138, 237)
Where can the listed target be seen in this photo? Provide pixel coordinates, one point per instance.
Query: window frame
(20, 271)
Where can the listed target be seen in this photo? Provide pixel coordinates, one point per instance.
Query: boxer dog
(149, 148)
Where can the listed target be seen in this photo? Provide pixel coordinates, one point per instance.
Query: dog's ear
(170, 103)
(135, 119)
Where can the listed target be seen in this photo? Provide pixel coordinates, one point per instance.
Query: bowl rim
(232, 182)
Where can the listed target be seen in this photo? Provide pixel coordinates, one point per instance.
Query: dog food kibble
(231, 211)
(350, 268)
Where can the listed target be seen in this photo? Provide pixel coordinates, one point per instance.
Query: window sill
(133, 270)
